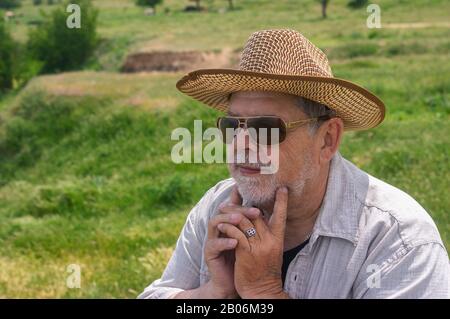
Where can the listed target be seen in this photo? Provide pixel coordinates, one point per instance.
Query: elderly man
(318, 227)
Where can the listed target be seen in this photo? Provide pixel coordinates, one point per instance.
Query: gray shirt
(370, 240)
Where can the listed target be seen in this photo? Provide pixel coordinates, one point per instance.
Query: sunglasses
(261, 124)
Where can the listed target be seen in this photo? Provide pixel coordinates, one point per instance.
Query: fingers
(232, 231)
(245, 224)
(277, 222)
(249, 212)
(214, 247)
(261, 226)
(251, 218)
(213, 232)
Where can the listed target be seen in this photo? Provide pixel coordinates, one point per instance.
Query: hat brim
(357, 107)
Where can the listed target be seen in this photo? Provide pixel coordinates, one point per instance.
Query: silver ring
(251, 232)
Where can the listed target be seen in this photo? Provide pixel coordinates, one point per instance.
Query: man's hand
(219, 251)
(257, 270)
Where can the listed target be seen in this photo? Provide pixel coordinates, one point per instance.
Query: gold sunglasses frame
(289, 126)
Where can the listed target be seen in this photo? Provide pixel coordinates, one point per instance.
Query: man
(319, 227)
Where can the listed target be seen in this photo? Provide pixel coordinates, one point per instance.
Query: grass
(85, 169)
(123, 27)
(143, 90)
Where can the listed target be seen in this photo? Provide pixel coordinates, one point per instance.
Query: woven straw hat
(285, 61)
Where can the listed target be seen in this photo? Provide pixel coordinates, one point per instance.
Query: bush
(148, 3)
(26, 69)
(357, 3)
(60, 48)
(16, 67)
(9, 4)
(7, 53)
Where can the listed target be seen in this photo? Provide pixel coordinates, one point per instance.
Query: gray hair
(313, 109)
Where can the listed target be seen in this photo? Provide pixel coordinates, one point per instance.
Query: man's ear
(330, 135)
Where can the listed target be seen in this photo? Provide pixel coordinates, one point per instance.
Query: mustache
(249, 161)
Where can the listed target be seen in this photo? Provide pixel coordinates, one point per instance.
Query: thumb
(277, 222)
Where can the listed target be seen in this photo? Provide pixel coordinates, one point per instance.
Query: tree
(9, 4)
(324, 8)
(355, 4)
(7, 54)
(230, 4)
(59, 47)
(149, 3)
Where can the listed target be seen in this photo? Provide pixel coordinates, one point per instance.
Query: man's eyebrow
(232, 114)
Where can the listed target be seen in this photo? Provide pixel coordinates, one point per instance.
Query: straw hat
(285, 61)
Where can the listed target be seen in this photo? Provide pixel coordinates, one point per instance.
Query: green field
(85, 170)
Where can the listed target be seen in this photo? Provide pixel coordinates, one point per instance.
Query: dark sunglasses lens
(263, 127)
(229, 123)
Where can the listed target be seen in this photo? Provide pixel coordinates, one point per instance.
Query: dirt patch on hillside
(170, 61)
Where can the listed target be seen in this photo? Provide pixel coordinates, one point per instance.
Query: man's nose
(242, 140)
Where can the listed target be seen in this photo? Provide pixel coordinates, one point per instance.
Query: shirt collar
(338, 212)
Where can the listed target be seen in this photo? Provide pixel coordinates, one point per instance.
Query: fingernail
(220, 227)
(254, 211)
(284, 189)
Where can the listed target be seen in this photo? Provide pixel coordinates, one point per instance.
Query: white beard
(256, 191)
(261, 189)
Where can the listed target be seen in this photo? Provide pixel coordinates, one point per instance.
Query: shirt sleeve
(417, 272)
(183, 270)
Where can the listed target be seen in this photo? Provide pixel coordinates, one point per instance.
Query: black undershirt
(288, 256)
